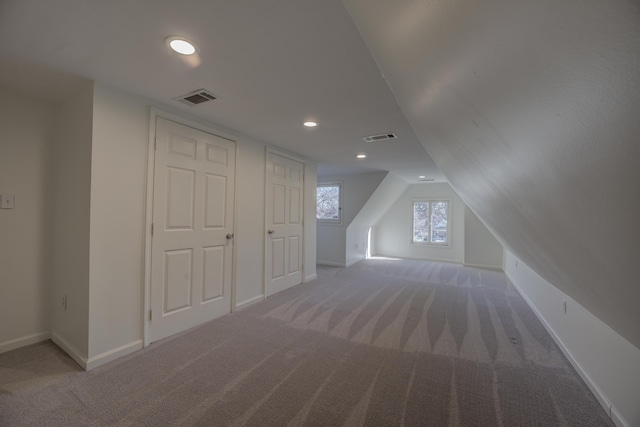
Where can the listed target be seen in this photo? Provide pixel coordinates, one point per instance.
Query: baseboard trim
(615, 416)
(108, 356)
(249, 302)
(484, 267)
(350, 263)
(24, 341)
(70, 350)
(331, 263)
(450, 261)
(310, 278)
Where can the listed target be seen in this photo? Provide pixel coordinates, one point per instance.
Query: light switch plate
(7, 201)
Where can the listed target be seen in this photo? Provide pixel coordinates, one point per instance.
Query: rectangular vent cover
(196, 97)
(380, 137)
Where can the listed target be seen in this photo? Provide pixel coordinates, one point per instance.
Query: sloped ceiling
(532, 111)
(272, 63)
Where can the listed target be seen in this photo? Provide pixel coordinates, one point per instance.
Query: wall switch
(7, 201)
(564, 305)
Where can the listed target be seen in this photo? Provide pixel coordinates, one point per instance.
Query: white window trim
(449, 221)
(331, 221)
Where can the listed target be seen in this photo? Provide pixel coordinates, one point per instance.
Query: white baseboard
(484, 267)
(331, 263)
(310, 278)
(24, 341)
(604, 401)
(350, 263)
(250, 301)
(108, 356)
(70, 350)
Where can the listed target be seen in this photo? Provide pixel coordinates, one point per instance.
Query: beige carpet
(381, 343)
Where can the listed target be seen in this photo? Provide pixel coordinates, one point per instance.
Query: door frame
(154, 114)
(271, 150)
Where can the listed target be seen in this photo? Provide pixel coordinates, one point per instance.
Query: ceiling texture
(532, 111)
(530, 108)
(273, 64)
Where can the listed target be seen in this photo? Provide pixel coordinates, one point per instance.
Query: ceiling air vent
(380, 137)
(196, 97)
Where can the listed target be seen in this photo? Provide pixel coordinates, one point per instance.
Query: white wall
(70, 211)
(118, 197)
(332, 238)
(481, 249)
(26, 132)
(608, 363)
(118, 189)
(384, 196)
(531, 112)
(310, 226)
(393, 231)
(250, 226)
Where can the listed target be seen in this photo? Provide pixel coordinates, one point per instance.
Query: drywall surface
(250, 225)
(393, 230)
(530, 109)
(384, 196)
(118, 188)
(118, 197)
(609, 363)
(26, 132)
(310, 226)
(70, 207)
(333, 244)
(481, 249)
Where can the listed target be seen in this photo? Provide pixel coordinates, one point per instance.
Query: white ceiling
(272, 63)
(531, 108)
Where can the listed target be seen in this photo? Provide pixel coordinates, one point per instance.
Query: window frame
(431, 201)
(330, 221)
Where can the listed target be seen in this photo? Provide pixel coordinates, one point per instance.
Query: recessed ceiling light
(361, 156)
(421, 177)
(310, 124)
(181, 45)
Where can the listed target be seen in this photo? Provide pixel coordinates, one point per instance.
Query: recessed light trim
(181, 45)
(361, 156)
(421, 177)
(310, 124)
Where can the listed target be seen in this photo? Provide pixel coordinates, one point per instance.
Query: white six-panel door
(191, 253)
(284, 215)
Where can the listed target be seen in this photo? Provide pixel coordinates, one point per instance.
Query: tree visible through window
(430, 222)
(328, 203)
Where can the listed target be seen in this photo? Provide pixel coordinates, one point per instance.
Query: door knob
(229, 236)
(270, 231)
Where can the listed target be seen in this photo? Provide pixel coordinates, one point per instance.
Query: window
(431, 222)
(328, 203)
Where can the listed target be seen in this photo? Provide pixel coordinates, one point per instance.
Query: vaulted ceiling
(529, 108)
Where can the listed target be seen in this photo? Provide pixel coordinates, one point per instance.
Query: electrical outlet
(356, 246)
(7, 201)
(63, 300)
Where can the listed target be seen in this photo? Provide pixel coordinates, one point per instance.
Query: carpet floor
(382, 343)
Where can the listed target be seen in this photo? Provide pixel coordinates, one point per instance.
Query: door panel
(191, 257)
(294, 251)
(180, 189)
(285, 185)
(213, 277)
(177, 280)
